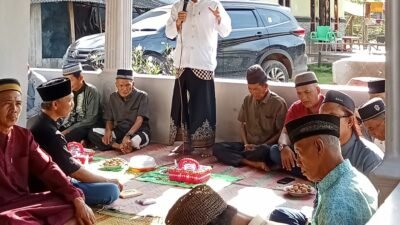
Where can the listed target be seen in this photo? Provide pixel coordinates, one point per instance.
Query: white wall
(14, 43)
(229, 96)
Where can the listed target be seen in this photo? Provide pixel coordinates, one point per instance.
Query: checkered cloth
(202, 74)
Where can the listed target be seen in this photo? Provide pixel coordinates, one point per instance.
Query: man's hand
(216, 14)
(116, 181)
(181, 18)
(83, 213)
(126, 146)
(65, 132)
(107, 137)
(249, 147)
(288, 158)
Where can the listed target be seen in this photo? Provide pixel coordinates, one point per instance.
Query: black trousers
(96, 139)
(232, 153)
(77, 134)
(193, 110)
(80, 133)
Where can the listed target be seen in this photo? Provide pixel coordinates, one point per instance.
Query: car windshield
(152, 20)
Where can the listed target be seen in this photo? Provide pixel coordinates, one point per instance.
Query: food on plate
(114, 162)
(299, 188)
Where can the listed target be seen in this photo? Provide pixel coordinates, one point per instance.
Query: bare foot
(203, 152)
(127, 148)
(257, 165)
(262, 166)
(116, 146)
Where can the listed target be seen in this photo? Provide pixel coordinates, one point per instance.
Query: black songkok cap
(376, 86)
(305, 78)
(312, 125)
(9, 84)
(341, 99)
(124, 74)
(256, 75)
(371, 109)
(54, 89)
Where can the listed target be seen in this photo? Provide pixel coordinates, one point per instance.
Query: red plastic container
(79, 153)
(189, 171)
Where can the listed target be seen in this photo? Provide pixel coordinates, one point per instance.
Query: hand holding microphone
(181, 17)
(182, 14)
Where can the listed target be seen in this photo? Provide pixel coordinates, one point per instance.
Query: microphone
(185, 2)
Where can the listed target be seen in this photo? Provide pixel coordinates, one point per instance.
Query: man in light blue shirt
(33, 98)
(345, 196)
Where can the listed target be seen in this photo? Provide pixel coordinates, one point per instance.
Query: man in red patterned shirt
(310, 99)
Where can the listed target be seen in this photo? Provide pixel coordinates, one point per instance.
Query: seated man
(376, 88)
(126, 117)
(372, 114)
(57, 103)
(310, 99)
(203, 206)
(362, 154)
(262, 115)
(87, 108)
(345, 196)
(20, 156)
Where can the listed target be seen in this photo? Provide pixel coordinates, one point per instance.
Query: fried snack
(299, 188)
(115, 162)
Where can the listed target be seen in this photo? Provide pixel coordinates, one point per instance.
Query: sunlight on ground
(164, 202)
(256, 201)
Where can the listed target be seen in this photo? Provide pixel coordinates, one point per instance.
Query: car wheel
(275, 71)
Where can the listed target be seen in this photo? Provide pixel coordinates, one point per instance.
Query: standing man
(57, 103)
(21, 156)
(126, 117)
(87, 108)
(196, 24)
(261, 116)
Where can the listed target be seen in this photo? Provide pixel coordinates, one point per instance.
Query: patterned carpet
(254, 185)
(107, 219)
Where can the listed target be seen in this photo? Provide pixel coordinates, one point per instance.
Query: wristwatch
(282, 146)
